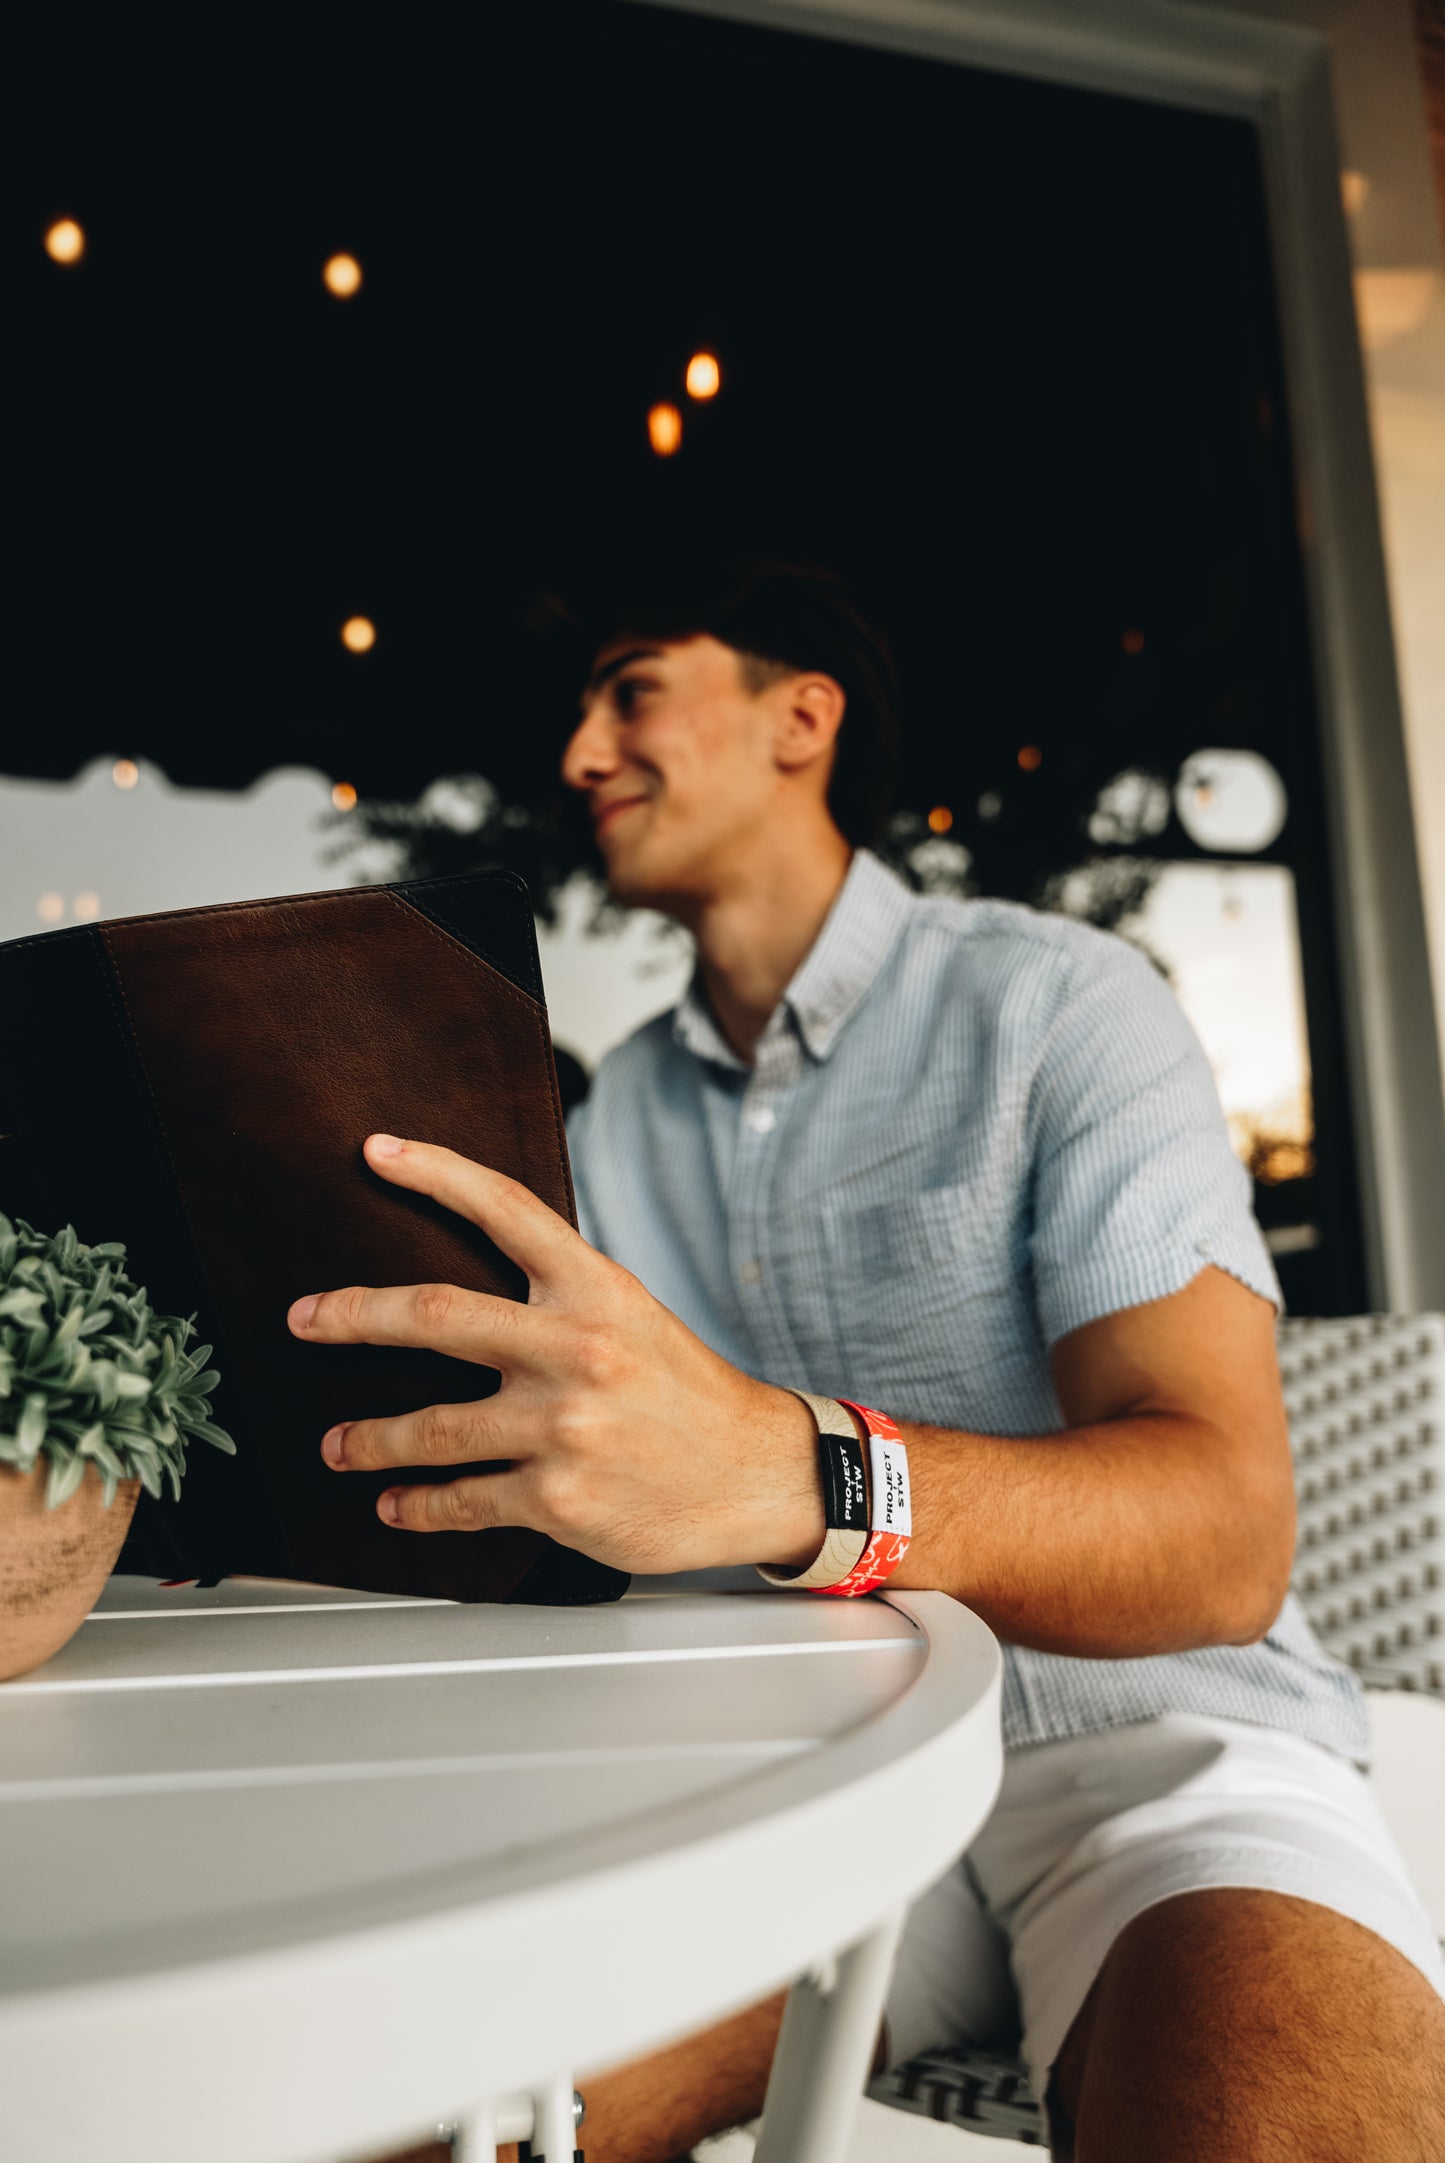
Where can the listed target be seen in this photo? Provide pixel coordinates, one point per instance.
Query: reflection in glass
(1228, 935)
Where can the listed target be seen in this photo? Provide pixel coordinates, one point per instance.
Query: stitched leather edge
(536, 1012)
(498, 882)
(236, 908)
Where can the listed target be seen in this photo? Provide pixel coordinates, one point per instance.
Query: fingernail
(333, 1445)
(385, 1145)
(302, 1311)
(388, 1509)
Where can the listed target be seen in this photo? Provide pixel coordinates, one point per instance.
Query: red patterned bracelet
(891, 1514)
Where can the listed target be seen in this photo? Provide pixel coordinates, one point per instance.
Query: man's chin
(625, 883)
(636, 884)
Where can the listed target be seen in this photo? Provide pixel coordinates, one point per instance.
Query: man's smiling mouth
(608, 812)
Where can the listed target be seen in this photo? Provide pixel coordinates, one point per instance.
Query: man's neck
(752, 938)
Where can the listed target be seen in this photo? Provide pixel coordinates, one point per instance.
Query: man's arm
(1161, 1518)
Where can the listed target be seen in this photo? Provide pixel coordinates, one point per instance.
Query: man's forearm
(1146, 1534)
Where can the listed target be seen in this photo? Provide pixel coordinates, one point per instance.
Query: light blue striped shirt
(968, 1129)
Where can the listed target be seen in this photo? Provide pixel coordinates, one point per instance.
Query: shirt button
(751, 1272)
(762, 1119)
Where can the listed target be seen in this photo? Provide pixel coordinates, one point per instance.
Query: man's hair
(780, 619)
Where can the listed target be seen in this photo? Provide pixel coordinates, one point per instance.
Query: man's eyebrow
(603, 676)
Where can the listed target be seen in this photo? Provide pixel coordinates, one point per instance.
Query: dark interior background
(1004, 353)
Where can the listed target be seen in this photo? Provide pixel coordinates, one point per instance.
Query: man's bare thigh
(1234, 2026)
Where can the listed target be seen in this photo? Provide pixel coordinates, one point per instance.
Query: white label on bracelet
(892, 1509)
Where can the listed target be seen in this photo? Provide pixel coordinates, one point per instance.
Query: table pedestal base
(825, 2052)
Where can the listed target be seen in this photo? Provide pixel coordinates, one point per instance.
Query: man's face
(676, 757)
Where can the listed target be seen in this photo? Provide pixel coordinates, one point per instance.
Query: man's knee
(1234, 2023)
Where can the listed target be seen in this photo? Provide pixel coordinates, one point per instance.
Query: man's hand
(616, 1430)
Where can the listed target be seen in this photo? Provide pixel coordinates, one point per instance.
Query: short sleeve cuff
(1087, 1291)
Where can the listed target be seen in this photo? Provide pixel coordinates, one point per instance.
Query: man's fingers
(472, 1505)
(539, 1241)
(440, 1434)
(441, 1317)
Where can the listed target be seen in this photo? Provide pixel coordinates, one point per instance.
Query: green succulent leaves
(89, 1375)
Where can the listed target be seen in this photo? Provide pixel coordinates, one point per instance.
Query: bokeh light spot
(1231, 801)
(358, 634)
(86, 907)
(1354, 191)
(940, 818)
(704, 377)
(50, 908)
(1031, 758)
(125, 773)
(1132, 642)
(664, 430)
(65, 241)
(344, 796)
(343, 276)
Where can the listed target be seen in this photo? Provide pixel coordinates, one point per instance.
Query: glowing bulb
(50, 908)
(65, 241)
(1031, 758)
(86, 907)
(664, 430)
(344, 796)
(1132, 642)
(940, 818)
(358, 634)
(125, 773)
(343, 276)
(704, 377)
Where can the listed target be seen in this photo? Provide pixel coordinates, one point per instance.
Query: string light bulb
(664, 430)
(358, 634)
(125, 773)
(940, 818)
(65, 241)
(343, 796)
(342, 276)
(704, 377)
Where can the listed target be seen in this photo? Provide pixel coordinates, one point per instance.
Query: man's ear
(810, 714)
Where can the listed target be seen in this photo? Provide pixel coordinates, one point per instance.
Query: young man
(964, 1164)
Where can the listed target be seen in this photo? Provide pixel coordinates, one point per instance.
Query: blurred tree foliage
(1077, 838)
(462, 822)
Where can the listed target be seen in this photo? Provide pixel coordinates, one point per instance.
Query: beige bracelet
(841, 1551)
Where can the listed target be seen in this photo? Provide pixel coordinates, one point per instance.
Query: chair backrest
(1366, 1402)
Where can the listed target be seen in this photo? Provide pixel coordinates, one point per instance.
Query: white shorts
(1089, 1832)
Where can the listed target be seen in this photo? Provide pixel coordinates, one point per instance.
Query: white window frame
(1278, 79)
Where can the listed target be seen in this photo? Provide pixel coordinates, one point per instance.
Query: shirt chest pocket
(921, 1292)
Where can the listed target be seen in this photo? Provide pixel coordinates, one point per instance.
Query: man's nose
(592, 753)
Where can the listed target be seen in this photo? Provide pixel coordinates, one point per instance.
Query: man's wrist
(796, 1521)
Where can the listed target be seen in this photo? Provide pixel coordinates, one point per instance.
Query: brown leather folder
(199, 1085)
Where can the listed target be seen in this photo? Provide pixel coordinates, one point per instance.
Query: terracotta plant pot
(53, 1562)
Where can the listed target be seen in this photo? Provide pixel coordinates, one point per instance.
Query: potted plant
(98, 1398)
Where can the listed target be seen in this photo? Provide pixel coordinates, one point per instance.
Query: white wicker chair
(1366, 1402)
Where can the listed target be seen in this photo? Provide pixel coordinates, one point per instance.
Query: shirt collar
(834, 976)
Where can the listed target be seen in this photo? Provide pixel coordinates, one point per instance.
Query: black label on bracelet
(845, 1483)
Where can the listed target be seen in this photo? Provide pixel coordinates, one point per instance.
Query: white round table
(289, 1875)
